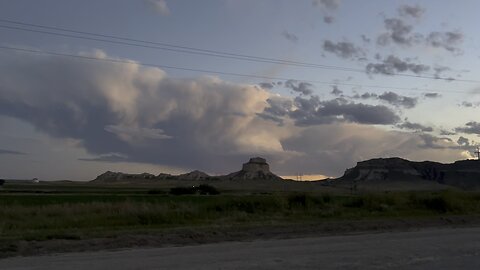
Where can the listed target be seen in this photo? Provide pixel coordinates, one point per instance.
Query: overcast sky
(171, 86)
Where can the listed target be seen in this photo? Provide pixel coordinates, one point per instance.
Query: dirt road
(424, 249)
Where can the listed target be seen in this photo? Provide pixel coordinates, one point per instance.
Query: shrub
(355, 202)
(202, 190)
(183, 190)
(296, 200)
(207, 190)
(155, 191)
(437, 203)
(303, 200)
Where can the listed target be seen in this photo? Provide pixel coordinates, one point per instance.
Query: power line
(176, 48)
(191, 50)
(120, 61)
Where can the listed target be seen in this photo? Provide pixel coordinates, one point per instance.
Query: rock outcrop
(463, 174)
(114, 177)
(255, 169)
(194, 175)
(108, 177)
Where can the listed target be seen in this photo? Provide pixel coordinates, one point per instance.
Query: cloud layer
(129, 113)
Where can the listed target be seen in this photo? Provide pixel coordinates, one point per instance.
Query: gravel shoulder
(205, 235)
(426, 248)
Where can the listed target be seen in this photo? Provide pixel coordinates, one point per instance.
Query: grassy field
(80, 211)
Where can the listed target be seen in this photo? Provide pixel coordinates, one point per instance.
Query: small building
(35, 180)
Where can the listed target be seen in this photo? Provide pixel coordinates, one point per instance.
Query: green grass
(78, 215)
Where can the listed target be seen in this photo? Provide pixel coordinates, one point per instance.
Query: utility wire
(121, 61)
(176, 48)
(197, 51)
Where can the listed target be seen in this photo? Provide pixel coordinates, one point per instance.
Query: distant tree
(202, 190)
(183, 190)
(2, 182)
(207, 190)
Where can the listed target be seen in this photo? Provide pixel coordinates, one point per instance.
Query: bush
(297, 200)
(443, 202)
(183, 190)
(155, 192)
(355, 202)
(207, 190)
(303, 200)
(436, 203)
(202, 190)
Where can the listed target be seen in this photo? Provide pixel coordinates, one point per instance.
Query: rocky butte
(256, 168)
(463, 174)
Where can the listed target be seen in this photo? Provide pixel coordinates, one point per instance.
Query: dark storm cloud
(392, 65)
(471, 127)
(303, 88)
(277, 109)
(10, 152)
(469, 104)
(439, 70)
(358, 112)
(442, 143)
(444, 132)
(328, 19)
(463, 141)
(125, 112)
(398, 100)
(343, 49)
(137, 111)
(336, 91)
(432, 95)
(434, 142)
(290, 36)
(391, 98)
(414, 11)
(446, 40)
(414, 126)
(365, 95)
(398, 32)
(466, 144)
(314, 112)
(266, 85)
(401, 33)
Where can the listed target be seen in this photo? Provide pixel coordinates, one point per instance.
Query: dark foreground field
(57, 217)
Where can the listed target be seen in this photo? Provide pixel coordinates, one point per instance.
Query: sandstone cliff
(255, 169)
(463, 174)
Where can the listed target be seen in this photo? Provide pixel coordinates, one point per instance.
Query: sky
(171, 86)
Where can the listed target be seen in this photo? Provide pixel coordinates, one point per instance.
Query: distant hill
(255, 169)
(383, 172)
